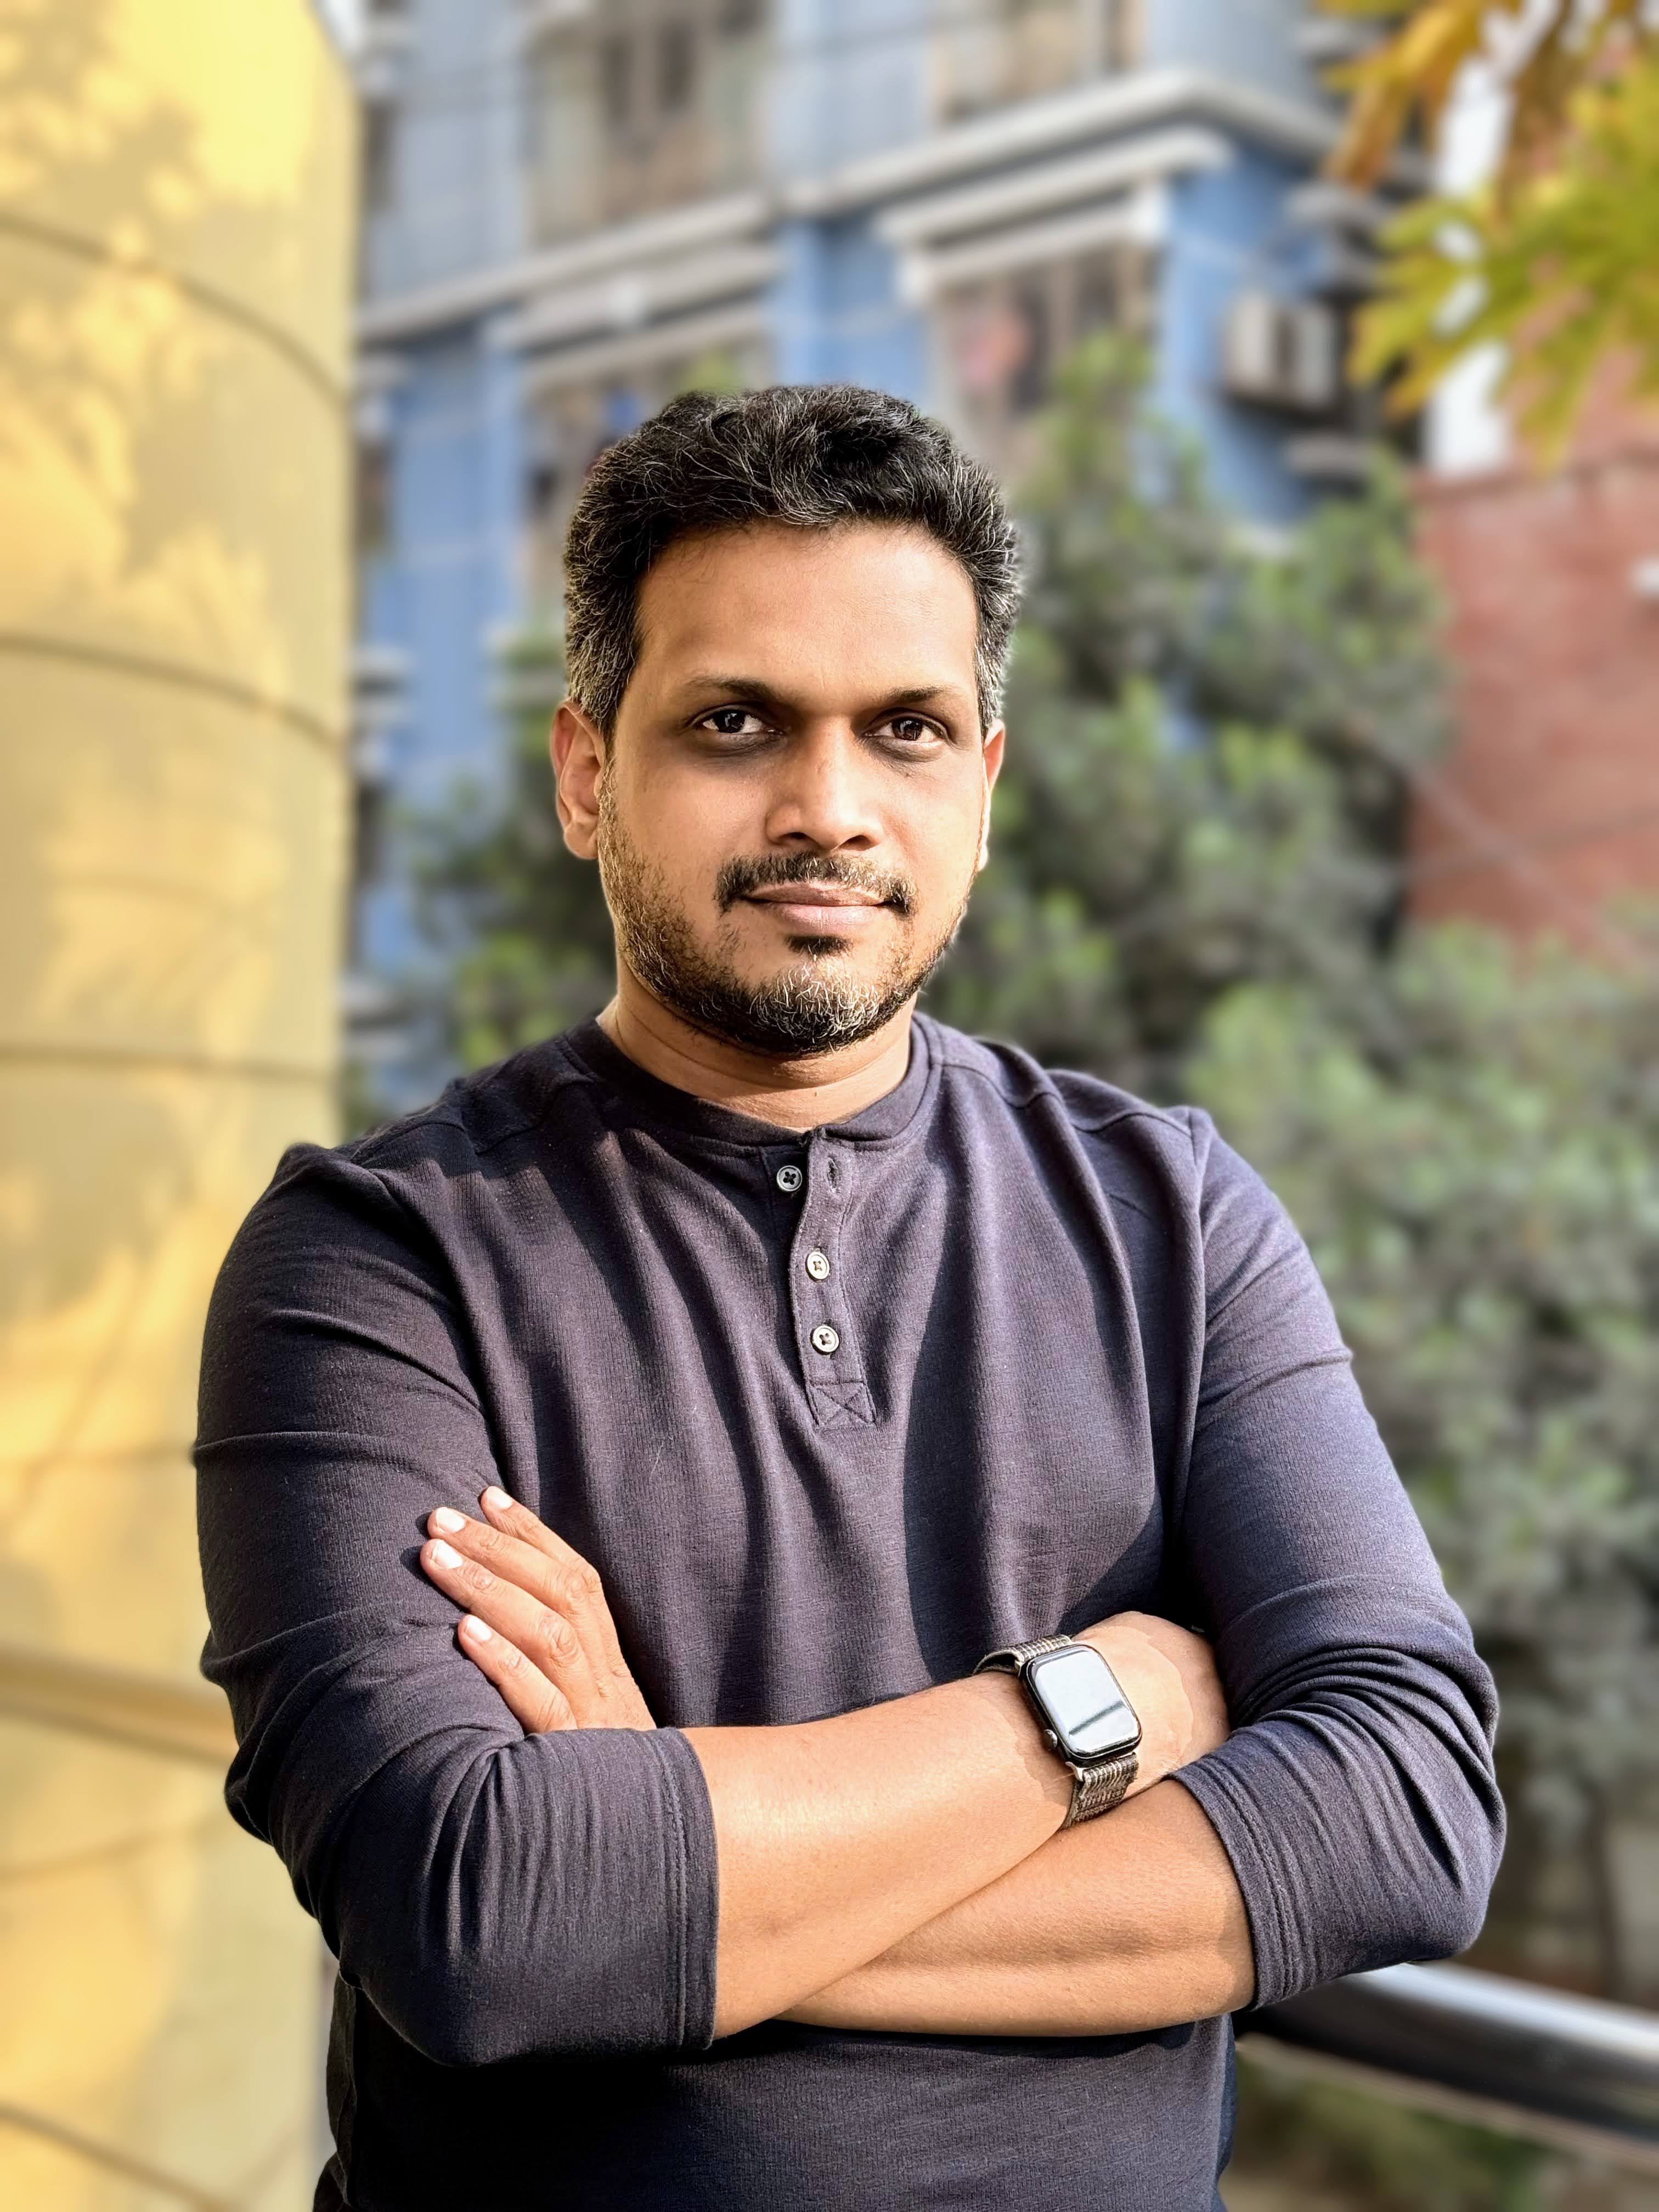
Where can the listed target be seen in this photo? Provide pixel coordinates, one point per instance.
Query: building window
(1001, 340)
(379, 155)
(617, 83)
(676, 67)
(369, 823)
(643, 104)
(990, 52)
(372, 508)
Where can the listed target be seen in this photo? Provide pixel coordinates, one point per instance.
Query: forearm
(833, 1839)
(1129, 1923)
(838, 1838)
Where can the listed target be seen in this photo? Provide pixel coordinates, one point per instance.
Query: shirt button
(818, 1267)
(825, 1339)
(790, 1178)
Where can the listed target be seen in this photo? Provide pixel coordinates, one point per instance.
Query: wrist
(1155, 1687)
(1008, 1711)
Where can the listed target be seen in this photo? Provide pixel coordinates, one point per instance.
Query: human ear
(992, 760)
(578, 755)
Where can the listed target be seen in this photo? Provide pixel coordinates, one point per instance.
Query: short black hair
(808, 456)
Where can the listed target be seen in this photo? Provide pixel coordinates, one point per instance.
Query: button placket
(829, 1353)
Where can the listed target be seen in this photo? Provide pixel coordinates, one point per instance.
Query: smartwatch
(1085, 1719)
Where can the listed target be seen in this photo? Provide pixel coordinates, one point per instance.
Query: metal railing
(1571, 2071)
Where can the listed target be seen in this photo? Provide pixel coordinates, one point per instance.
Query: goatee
(811, 1007)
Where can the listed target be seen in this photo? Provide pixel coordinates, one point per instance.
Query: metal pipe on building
(175, 254)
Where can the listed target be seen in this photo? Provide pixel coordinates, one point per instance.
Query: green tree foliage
(1470, 1139)
(521, 920)
(1410, 72)
(1210, 749)
(1553, 257)
(1197, 888)
(1322, 2144)
(1473, 1152)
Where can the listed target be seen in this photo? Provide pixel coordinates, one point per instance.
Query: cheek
(688, 827)
(941, 843)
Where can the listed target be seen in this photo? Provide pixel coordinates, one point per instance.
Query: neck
(791, 1094)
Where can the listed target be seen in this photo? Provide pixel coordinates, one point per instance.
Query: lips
(821, 910)
(814, 895)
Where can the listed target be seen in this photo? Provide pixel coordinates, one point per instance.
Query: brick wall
(1548, 807)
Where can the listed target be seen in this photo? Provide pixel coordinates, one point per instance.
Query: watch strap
(1012, 1658)
(1095, 1788)
(1098, 1788)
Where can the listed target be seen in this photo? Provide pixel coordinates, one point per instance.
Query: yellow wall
(175, 239)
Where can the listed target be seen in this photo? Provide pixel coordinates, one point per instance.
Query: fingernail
(497, 1500)
(449, 1520)
(445, 1555)
(478, 1630)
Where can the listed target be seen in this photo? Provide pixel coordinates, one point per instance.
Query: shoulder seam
(364, 1152)
(1167, 1117)
(1138, 1110)
(951, 1064)
(445, 1117)
(558, 1080)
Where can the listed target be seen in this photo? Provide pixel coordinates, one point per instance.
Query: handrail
(1511, 2047)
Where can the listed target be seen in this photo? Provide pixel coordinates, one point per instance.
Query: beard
(813, 1005)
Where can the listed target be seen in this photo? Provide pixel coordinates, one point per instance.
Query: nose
(825, 798)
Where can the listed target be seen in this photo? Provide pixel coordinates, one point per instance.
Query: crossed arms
(503, 1882)
(898, 1866)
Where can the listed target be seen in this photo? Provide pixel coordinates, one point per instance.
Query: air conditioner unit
(1281, 353)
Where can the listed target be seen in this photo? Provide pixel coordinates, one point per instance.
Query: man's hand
(815, 1895)
(537, 1623)
(1169, 1676)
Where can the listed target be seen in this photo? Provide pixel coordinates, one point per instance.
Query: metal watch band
(1095, 1789)
(1098, 1788)
(1013, 1656)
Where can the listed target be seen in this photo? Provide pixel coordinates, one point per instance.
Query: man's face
(793, 804)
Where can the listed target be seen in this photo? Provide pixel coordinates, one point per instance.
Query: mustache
(740, 879)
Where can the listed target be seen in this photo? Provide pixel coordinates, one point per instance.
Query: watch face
(1080, 1699)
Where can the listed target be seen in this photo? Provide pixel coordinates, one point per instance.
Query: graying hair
(810, 457)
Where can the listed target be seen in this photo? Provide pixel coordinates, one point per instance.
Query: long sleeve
(1356, 1799)
(494, 1895)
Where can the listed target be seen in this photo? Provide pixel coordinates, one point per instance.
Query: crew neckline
(665, 1105)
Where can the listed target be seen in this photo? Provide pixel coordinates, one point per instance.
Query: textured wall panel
(176, 226)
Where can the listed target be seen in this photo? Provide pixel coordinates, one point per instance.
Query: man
(613, 1477)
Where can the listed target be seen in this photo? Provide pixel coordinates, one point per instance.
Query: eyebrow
(747, 688)
(755, 693)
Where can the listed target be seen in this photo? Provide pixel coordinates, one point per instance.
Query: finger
(543, 1635)
(609, 1697)
(575, 1588)
(539, 1706)
(504, 1511)
(508, 1556)
(567, 1585)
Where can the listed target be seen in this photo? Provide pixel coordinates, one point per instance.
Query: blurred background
(1319, 349)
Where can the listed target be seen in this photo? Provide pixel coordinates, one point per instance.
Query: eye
(907, 729)
(733, 722)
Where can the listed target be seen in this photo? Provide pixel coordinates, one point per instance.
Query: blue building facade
(575, 208)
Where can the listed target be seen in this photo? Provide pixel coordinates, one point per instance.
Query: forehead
(866, 597)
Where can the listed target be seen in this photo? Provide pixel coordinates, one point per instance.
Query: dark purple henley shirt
(1080, 1362)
